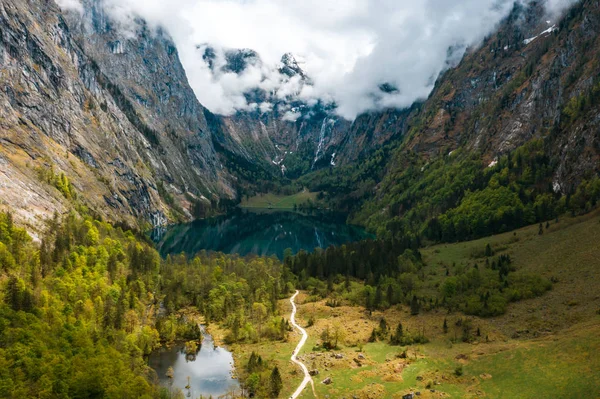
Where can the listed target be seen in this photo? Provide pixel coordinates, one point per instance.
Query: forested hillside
(81, 312)
(508, 138)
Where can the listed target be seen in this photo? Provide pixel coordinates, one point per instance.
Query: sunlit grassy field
(541, 348)
(275, 201)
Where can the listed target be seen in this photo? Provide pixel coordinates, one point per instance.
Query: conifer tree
(275, 383)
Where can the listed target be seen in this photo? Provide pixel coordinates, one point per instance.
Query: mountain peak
(239, 59)
(290, 67)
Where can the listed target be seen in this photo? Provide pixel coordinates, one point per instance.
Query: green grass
(567, 252)
(358, 382)
(566, 367)
(276, 201)
(541, 348)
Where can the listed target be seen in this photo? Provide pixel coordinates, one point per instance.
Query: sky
(349, 48)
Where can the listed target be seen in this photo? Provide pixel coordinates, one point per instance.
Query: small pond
(210, 373)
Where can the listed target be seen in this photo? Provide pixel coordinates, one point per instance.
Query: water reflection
(264, 233)
(209, 374)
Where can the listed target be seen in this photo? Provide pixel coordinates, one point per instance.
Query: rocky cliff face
(282, 134)
(115, 115)
(537, 77)
(289, 147)
(117, 119)
(153, 90)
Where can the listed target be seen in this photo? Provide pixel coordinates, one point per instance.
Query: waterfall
(319, 241)
(321, 140)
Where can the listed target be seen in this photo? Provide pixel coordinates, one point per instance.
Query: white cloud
(348, 47)
(556, 7)
(70, 5)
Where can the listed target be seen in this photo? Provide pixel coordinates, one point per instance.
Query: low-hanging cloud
(70, 5)
(349, 48)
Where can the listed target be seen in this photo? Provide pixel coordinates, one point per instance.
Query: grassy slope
(278, 201)
(544, 347)
(568, 251)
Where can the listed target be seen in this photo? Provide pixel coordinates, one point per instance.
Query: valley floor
(543, 347)
(276, 201)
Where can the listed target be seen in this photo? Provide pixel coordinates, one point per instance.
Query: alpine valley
(457, 239)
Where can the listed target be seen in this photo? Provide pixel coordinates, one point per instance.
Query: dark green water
(260, 232)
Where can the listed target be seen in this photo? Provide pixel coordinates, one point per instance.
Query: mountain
(280, 132)
(87, 109)
(115, 120)
(513, 128)
(521, 85)
(113, 113)
(146, 69)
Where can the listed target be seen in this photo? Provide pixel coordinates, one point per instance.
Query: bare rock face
(56, 114)
(272, 140)
(152, 89)
(115, 122)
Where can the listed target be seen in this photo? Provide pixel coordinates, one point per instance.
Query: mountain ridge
(148, 150)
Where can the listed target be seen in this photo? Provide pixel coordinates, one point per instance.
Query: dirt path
(307, 378)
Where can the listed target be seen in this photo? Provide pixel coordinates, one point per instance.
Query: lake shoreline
(259, 231)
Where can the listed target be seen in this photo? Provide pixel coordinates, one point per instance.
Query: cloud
(349, 48)
(70, 5)
(556, 7)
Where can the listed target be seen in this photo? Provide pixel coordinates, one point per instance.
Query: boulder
(327, 381)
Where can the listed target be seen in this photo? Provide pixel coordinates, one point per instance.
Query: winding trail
(307, 378)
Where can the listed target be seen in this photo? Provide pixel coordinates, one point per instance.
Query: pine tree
(488, 250)
(368, 301)
(415, 308)
(251, 366)
(382, 326)
(12, 296)
(330, 284)
(378, 297)
(397, 337)
(390, 295)
(373, 337)
(275, 383)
